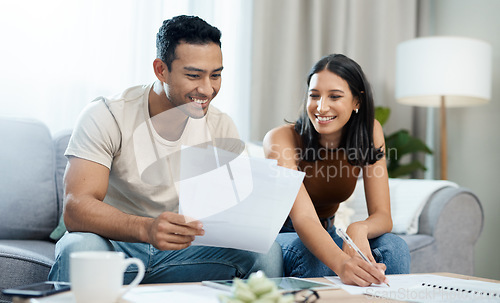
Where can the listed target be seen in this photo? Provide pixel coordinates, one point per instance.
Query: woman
(333, 141)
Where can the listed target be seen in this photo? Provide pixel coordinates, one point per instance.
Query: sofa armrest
(454, 218)
(452, 211)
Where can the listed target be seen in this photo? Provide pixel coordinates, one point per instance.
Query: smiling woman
(335, 138)
(57, 55)
(329, 106)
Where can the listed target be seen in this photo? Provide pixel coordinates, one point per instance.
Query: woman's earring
(356, 110)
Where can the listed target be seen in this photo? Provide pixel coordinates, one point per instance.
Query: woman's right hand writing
(356, 271)
(172, 231)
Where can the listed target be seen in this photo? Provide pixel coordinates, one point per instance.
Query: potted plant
(399, 144)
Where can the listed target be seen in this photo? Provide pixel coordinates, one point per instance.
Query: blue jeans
(192, 264)
(300, 262)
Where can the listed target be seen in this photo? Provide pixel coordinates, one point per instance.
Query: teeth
(324, 118)
(199, 101)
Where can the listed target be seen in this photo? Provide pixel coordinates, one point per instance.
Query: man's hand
(169, 231)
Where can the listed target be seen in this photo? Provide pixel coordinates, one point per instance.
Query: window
(58, 55)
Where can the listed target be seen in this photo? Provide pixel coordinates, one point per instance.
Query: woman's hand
(363, 245)
(358, 232)
(356, 271)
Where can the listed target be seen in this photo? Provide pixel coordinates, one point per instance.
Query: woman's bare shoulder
(378, 134)
(281, 134)
(280, 143)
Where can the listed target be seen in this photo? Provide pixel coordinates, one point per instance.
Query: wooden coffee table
(333, 295)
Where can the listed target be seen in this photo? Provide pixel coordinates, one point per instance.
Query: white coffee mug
(97, 276)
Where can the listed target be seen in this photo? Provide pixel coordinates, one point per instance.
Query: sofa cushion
(24, 262)
(28, 198)
(416, 242)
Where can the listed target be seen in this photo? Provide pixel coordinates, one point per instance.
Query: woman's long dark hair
(357, 136)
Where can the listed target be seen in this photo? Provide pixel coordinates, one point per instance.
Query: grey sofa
(31, 169)
(449, 226)
(439, 220)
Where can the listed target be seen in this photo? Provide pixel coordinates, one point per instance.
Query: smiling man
(120, 182)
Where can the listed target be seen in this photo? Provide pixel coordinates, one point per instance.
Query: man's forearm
(87, 214)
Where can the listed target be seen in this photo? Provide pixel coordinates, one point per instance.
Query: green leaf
(406, 169)
(404, 143)
(382, 114)
(399, 144)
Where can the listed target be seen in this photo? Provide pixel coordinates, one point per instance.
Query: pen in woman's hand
(351, 243)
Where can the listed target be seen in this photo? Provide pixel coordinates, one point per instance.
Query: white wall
(473, 133)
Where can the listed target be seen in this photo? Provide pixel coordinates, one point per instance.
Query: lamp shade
(454, 68)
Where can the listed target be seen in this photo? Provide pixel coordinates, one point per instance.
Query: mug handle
(138, 278)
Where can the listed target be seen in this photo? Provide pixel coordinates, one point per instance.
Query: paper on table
(396, 282)
(173, 293)
(428, 288)
(148, 294)
(242, 203)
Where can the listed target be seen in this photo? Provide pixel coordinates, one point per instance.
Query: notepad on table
(428, 288)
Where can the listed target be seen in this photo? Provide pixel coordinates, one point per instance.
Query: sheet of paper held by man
(241, 201)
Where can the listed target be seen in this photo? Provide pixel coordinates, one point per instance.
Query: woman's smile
(322, 119)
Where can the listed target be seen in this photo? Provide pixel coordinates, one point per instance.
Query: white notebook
(429, 288)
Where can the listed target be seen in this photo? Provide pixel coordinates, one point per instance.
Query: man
(120, 182)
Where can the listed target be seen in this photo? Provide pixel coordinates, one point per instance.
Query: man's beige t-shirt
(144, 167)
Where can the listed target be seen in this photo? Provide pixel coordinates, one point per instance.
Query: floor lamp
(443, 72)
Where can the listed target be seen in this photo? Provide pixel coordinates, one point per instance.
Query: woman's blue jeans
(192, 264)
(298, 261)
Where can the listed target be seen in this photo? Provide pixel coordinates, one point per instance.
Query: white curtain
(58, 55)
(289, 36)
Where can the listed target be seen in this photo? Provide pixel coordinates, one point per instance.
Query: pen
(351, 243)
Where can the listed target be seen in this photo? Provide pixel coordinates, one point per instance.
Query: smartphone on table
(41, 289)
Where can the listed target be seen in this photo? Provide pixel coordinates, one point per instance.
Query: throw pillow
(408, 198)
(59, 231)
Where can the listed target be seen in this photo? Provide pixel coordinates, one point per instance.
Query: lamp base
(444, 147)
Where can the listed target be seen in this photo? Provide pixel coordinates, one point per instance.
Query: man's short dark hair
(189, 29)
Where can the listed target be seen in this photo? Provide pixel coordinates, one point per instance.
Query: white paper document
(428, 288)
(173, 293)
(241, 201)
(151, 294)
